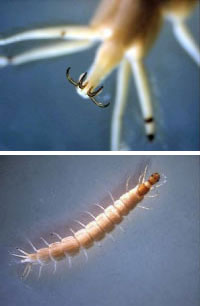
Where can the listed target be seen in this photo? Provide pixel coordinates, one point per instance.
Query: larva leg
(19, 256)
(111, 196)
(120, 103)
(144, 93)
(80, 223)
(34, 248)
(152, 195)
(142, 176)
(70, 262)
(40, 271)
(27, 271)
(145, 174)
(187, 41)
(54, 262)
(86, 254)
(23, 252)
(57, 235)
(63, 32)
(143, 207)
(55, 267)
(127, 183)
(45, 242)
(57, 49)
(108, 56)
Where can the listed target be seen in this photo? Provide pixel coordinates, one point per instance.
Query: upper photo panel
(99, 75)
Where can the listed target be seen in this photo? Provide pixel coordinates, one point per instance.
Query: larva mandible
(93, 231)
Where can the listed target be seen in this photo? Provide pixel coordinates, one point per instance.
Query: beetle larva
(94, 231)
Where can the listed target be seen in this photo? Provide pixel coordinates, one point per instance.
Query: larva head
(154, 178)
(145, 187)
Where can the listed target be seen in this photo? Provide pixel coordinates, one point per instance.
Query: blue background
(154, 262)
(40, 110)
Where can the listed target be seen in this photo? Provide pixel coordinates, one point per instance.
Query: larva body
(95, 230)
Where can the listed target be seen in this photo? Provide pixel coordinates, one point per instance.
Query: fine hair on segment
(126, 30)
(92, 232)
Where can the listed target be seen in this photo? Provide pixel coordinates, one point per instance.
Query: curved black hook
(94, 93)
(90, 94)
(99, 103)
(80, 83)
(69, 77)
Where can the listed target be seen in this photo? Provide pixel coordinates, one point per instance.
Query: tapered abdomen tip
(151, 137)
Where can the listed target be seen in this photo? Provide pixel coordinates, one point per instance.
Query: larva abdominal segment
(94, 231)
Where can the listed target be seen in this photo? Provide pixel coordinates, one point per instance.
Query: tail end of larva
(27, 259)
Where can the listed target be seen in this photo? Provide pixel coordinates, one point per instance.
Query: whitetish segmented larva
(126, 29)
(95, 230)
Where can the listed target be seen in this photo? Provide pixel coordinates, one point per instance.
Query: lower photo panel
(99, 230)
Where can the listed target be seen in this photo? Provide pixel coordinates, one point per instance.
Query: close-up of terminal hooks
(132, 38)
(91, 94)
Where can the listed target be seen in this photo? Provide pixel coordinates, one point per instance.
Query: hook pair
(91, 94)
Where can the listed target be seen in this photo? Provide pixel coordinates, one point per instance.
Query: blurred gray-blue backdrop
(154, 262)
(40, 110)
